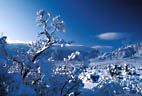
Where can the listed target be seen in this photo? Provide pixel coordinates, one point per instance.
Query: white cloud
(110, 36)
(101, 47)
(74, 45)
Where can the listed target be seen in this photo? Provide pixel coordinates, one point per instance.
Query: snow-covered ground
(117, 73)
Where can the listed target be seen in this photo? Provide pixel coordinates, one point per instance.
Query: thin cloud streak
(110, 36)
(18, 41)
(101, 47)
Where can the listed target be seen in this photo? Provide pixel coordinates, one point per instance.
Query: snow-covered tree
(50, 25)
(33, 73)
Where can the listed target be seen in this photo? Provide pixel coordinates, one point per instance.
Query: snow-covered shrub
(114, 80)
(65, 79)
(11, 82)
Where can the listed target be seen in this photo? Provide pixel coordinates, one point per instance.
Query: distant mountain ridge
(130, 51)
(59, 53)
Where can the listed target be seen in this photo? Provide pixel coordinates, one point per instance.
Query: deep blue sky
(98, 23)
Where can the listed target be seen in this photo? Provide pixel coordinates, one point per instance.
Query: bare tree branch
(39, 53)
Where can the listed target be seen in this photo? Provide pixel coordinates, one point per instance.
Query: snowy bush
(65, 79)
(114, 80)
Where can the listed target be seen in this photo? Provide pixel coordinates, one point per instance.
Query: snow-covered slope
(130, 51)
(59, 53)
(92, 77)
